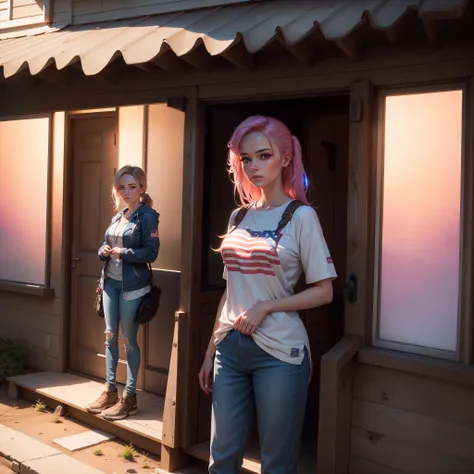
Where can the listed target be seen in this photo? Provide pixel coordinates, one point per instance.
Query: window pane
(421, 220)
(23, 199)
(165, 179)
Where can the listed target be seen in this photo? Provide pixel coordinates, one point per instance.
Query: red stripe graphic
(249, 255)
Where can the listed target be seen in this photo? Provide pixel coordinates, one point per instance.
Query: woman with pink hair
(258, 356)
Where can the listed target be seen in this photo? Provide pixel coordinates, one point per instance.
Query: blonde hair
(140, 177)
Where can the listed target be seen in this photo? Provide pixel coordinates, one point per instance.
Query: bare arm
(318, 294)
(211, 348)
(205, 374)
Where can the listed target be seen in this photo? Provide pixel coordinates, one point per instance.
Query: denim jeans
(117, 310)
(245, 376)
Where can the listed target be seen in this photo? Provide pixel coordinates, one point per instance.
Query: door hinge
(115, 139)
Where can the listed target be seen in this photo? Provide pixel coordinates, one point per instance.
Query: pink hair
(293, 176)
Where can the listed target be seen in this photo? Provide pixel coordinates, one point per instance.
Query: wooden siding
(62, 11)
(89, 11)
(31, 11)
(410, 424)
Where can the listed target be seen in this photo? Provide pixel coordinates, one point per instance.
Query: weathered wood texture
(88, 11)
(361, 158)
(32, 11)
(337, 370)
(410, 424)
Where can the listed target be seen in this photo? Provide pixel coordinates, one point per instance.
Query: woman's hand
(248, 321)
(205, 374)
(106, 250)
(115, 252)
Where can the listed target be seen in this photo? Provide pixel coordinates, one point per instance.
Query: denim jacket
(140, 247)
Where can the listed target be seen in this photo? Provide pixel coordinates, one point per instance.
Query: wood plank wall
(31, 10)
(88, 11)
(408, 424)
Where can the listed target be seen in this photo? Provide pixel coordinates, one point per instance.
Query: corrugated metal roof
(254, 25)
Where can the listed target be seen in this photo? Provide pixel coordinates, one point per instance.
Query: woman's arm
(104, 251)
(318, 294)
(205, 374)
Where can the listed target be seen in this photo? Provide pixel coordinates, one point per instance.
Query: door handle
(74, 259)
(350, 288)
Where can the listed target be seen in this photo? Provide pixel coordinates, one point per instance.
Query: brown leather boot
(126, 406)
(107, 399)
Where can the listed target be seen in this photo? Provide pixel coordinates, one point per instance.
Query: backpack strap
(288, 213)
(238, 218)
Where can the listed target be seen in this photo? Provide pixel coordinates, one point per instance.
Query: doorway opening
(322, 126)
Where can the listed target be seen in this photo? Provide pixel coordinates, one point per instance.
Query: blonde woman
(131, 243)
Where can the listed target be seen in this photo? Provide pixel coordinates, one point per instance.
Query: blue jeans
(246, 376)
(117, 310)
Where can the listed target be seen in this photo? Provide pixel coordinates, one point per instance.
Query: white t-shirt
(262, 265)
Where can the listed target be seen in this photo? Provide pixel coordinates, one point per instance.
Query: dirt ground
(45, 426)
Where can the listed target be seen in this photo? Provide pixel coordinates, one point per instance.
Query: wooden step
(144, 429)
(251, 462)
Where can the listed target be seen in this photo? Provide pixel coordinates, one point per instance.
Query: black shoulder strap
(238, 218)
(288, 213)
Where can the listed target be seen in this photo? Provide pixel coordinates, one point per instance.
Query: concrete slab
(18, 447)
(57, 465)
(83, 440)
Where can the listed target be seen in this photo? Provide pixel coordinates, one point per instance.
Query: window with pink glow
(24, 158)
(420, 220)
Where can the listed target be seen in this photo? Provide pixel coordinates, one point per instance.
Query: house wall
(29, 11)
(88, 11)
(430, 420)
(407, 423)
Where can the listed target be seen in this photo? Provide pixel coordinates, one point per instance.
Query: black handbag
(150, 302)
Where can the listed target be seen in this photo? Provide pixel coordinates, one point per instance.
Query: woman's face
(262, 163)
(129, 190)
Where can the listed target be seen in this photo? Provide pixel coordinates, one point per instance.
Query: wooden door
(94, 155)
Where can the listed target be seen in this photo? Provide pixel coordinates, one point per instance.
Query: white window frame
(466, 234)
(49, 185)
(10, 23)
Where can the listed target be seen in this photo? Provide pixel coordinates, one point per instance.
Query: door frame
(68, 217)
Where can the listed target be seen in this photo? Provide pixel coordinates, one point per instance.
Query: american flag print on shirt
(251, 252)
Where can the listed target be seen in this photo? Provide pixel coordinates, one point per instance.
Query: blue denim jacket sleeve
(100, 252)
(148, 252)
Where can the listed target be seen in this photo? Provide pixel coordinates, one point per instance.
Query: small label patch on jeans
(294, 352)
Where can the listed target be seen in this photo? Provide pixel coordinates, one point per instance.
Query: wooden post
(337, 368)
(172, 456)
(193, 165)
(362, 135)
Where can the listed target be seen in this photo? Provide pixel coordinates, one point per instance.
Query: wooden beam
(24, 79)
(199, 58)
(193, 169)
(112, 72)
(351, 46)
(431, 33)
(168, 61)
(60, 78)
(240, 57)
(302, 51)
(149, 68)
(360, 210)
